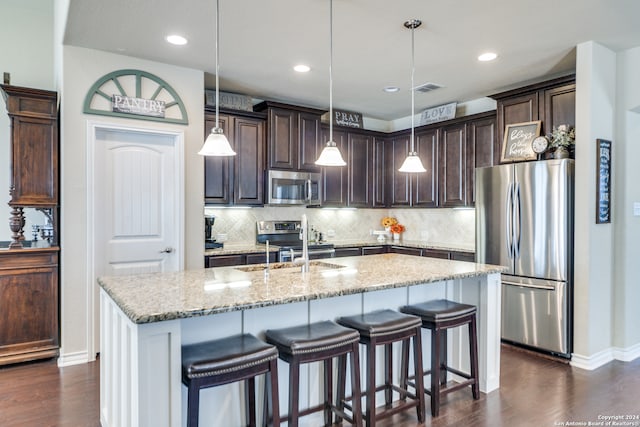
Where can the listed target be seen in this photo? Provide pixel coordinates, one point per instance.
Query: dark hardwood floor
(534, 391)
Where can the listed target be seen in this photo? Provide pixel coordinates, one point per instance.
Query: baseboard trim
(77, 358)
(605, 356)
(627, 354)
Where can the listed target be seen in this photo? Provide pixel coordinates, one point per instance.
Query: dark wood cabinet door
(29, 305)
(406, 251)
(261, 258)
(225, 260)
(424, 186)
(560, 107)
(380, 172)
(463, 256)
(283, 139)
(309, 144)
(452, 177)
(400, 184)
(360, 170)
(435, 253)
(519, 109)
(481, 150)
(334, 179)
(33, 115)
(218, 170)
(342, 252)
(374, 250)
(248, 175)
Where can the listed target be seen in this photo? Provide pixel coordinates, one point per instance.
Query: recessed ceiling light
(488, 56)
(391, 89)
(176, 40)
(301, 68)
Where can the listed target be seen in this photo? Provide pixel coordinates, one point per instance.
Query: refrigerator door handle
(508, 207)
(517, 220)
(529, 285)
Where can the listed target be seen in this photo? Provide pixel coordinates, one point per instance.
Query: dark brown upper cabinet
(34, 146)
(481, 149)
(360, 164)
(380, 172)
(334, 179)
(239, 179)
(552, 102)
(293, 136)
(453, 166)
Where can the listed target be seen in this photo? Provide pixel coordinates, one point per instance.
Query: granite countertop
(155, 297)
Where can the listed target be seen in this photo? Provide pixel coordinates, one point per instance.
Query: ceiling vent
(427, 87)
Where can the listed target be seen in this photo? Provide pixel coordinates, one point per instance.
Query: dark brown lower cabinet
(406, 251)
(374, 250)
(463, 256)
(29, 304)
(435, 253)
(342, 252)
(238, 259)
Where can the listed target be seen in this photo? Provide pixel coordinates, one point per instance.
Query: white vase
(396, 236)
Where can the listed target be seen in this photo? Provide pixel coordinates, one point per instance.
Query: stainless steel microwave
(293, 188)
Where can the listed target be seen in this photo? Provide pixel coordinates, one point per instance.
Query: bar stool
(439, 316)
(384, 327)
(227, 360)
(321, 341)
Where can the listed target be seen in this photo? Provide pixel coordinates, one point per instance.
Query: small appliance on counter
(286, 235)
(209, 241)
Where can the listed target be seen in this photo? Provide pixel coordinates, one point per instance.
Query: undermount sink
(313, 266)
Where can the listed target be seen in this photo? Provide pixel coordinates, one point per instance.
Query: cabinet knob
(167, 250)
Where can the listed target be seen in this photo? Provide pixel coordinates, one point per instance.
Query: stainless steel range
(288, 236)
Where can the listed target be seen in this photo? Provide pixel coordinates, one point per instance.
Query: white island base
(140, 370)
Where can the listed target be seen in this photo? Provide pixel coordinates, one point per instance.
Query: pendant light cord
(413, 70)
(217, 63)
(331, 71)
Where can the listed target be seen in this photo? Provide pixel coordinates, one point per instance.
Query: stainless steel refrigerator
(524, 221)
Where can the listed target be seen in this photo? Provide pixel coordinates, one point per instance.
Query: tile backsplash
(453, 227)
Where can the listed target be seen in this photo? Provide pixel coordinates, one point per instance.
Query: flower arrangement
(562, 136)
(389, 221)
(398, 228)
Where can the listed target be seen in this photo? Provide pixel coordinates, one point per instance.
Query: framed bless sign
(603, 181)
(518, 137)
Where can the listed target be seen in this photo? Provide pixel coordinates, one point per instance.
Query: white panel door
(135, 219)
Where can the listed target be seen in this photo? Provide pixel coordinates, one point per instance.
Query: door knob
(167, 250)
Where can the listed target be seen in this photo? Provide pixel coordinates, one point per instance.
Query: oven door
(293, 188)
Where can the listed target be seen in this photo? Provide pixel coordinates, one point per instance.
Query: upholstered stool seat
(439, 316)
(227, 360)
(384, 327)
(321, 341)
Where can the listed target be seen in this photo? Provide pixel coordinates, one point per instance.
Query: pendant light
(330, 155)
(412, 163)
(216, 143)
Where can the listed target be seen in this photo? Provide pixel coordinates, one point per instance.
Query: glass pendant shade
(412, 164)
(330, 156)
(216, 144)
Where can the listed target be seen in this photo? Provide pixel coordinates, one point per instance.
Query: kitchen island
(146, 318)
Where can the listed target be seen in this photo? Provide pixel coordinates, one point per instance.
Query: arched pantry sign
(135, 94)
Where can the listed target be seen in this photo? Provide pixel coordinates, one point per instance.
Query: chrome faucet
(304, 236)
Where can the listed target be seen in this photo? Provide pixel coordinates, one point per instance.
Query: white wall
(626, 153)
(26, 46)
(81, 68)
(595, 104)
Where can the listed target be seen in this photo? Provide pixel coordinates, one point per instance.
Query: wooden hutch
(29, 274)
